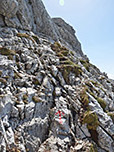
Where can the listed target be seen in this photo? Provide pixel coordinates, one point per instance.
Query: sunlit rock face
(52, 99)
(32, 15)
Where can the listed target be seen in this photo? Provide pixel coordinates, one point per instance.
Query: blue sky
(93, 21)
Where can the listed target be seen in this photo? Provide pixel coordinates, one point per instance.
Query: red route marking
(59, 112)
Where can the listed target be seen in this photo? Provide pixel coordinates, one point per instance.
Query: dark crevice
(94, 135)
(83, 132)
(4, 20)
(107, 132)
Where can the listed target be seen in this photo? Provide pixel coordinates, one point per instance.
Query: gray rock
(3, 137)
(54, 70)
(5, 105)
(67, 34)
(58, 91)
(10, 136)
(8, 8)
(5, 121)
(2, 144)
(105, 141)
(14, 112)
(82, 131)
(36, 125)
(29, 110)
(20, 108)
(105, 120)
(33, 16)
(1, 22)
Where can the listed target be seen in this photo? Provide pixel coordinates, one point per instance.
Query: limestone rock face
(32, 15)
(8, 8)
(52, 99)
(28, 15)
(67, 34)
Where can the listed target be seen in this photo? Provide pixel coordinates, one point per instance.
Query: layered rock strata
(42, 72)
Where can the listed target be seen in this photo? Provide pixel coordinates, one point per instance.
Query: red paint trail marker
(59, 112)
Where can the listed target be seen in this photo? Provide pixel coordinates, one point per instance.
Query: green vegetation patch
(3, 81)
(84, 97)
(5, 51)
(10, 57)
(92, 148)
(56, 46)
(67, 68)
(24, 35)
(36, 82)
(86, 64)
(36, 38)
(60, 50)
(66, 64)
(102, 103)
(17, 75)
(0, 73)
(18, 65)
(25, 98)
(111, 114)
(92, 94)
(36, 99)
(90, 118)
(95, 83)
(100, 100)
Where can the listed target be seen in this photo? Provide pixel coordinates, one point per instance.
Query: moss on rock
(95, 83)
(100, 100)
(25, 98)
(10, 57)
(5, 51)
(111, 114)
(92, 149)
(66, 64)
(60, 50)
(17, 75)
(3, 81)
(36, 82)
(0, 73)
(24, 35)
(91, 119)
(56, 46)
(86, 64)
(36, 99)
(84, 97)
(36, 38)
(102, 103)
(67, 68)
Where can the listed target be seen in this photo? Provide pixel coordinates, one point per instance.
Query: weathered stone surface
(6, 104)
(36, 90)
(8, 8)
(32, 15)
(105, 141)
(67, 34)
(51, 98)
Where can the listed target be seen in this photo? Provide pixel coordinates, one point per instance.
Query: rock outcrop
(52, 99)
(31, 15)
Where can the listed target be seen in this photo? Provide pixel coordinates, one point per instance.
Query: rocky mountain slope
(52, 99)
